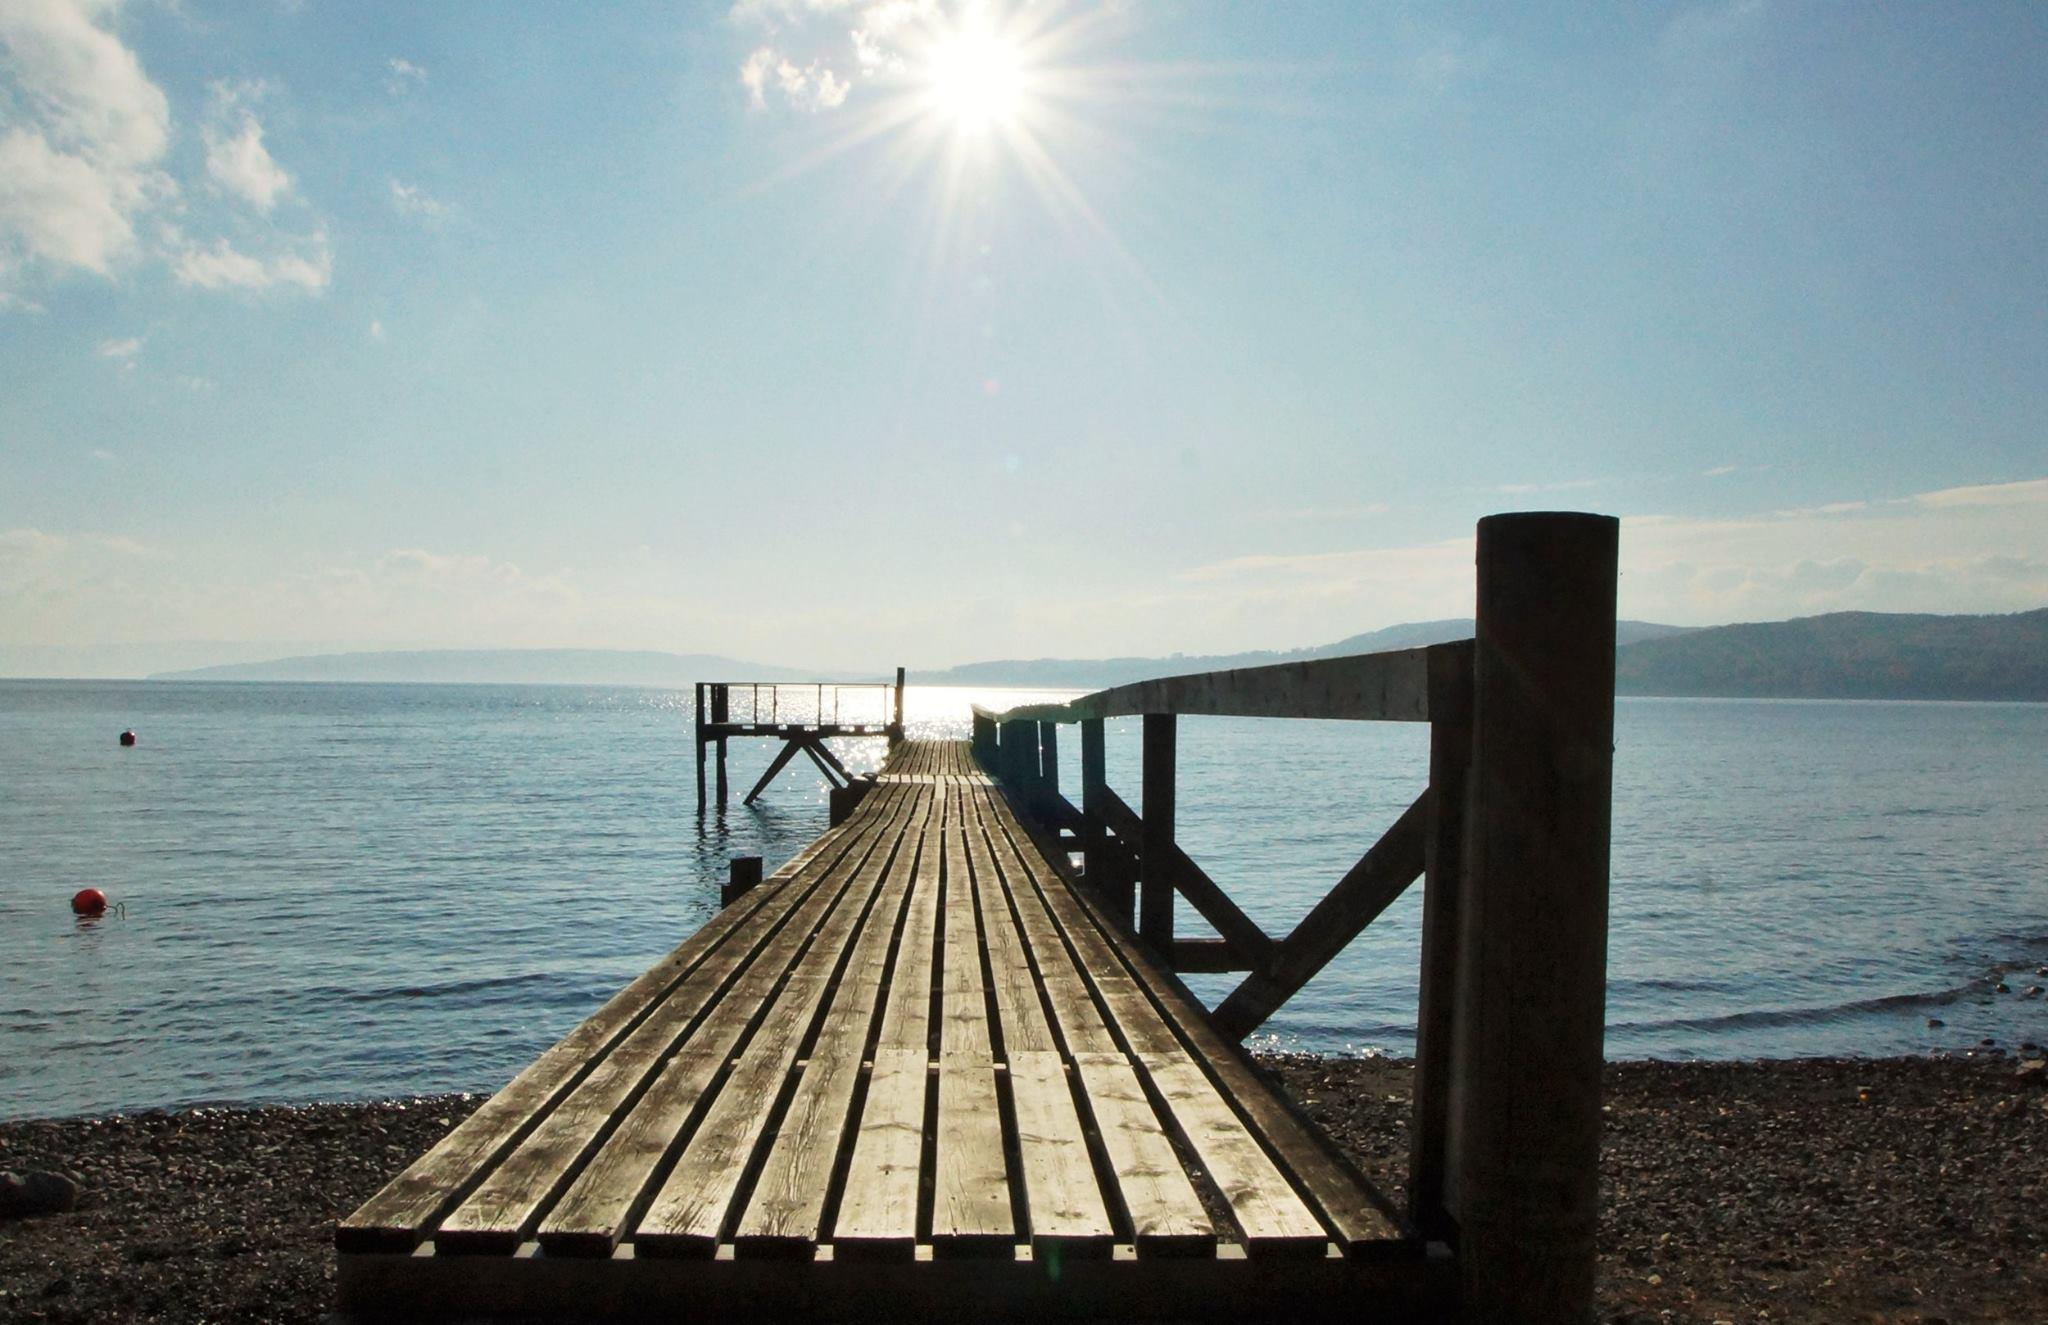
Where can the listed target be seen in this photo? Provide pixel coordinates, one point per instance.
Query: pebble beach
(1886, 1190)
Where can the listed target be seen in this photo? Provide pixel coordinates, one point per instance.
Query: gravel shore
(1826, 1190)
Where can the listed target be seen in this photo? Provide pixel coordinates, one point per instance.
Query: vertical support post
(1450, 761)
(700, 747)
(896, 728)
(1155, 867)
(1101, 873)
(1527, 1052)
(743, 876)
(1048, 764)
(984, 742)
(721, 712)
(1019, 758)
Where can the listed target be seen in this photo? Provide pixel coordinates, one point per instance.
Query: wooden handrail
(1367, 687)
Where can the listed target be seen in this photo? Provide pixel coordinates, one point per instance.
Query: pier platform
(915, 1073)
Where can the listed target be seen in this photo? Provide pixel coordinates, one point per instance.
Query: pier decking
(914, 1071)
(931, 1069)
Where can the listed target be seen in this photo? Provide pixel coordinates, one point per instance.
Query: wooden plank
(878, 1211)
(785, 1214)
(401, 1214)
(906, 1016)
(1383, 687)
(1062, 1200)
(964, 1029)
(689, 1212)
(1166, 1216)
(1080, 1025)
(971, 1182)
(1270, 1218)
(597, 1201)
(1358, 1215)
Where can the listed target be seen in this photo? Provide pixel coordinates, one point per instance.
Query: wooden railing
(1511, 840)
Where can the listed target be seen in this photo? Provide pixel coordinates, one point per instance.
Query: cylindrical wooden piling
(1155, 868)
(1524, 1145)
(743, 875)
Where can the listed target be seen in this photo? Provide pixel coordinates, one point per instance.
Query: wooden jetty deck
(916, 1067)
(933, 1069)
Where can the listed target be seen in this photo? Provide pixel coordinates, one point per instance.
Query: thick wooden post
(1048, 764)
(984, 742)
(1450, 761)
(896, 727)
(1525, 1108)
(1155, 868)
(742, 877)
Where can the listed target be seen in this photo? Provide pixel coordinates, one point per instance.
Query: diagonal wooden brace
(1367, 889)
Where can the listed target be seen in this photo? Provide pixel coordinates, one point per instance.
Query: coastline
(1896, 1190)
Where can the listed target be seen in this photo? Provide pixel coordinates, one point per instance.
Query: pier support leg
(1527, 1053)
(721, 712)
(1102, 873)
(700, 747)
(1450, 764)
(1048, 765)
(1155, 869)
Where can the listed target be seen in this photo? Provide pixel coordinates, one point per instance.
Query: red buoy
(128, 737)
(89, 902)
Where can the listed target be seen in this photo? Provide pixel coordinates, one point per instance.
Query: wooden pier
(931, 1069)
(717, 726)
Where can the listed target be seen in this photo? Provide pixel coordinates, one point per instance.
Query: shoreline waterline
(1811, 1189)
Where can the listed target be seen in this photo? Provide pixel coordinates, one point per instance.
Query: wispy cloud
(236, 159)
(125, 348)
(412, 201)
(225, 267)
(402, 76)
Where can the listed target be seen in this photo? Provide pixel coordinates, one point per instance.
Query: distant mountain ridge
(1842, 655)
(1094, 673)
(498, 667)
(1848, 655)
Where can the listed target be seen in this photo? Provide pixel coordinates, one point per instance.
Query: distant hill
(1094, 673)
(499, 667)
(1848, 655)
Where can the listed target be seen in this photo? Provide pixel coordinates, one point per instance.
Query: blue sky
(844, 334)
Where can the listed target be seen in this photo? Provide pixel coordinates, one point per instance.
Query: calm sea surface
(340, 891)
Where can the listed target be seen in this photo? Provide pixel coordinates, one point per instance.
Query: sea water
(349, 891)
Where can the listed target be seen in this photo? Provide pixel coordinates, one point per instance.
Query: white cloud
(236, 159)
(1973, 549)
(224, 267)
(815, 86)
(79, 163)
(411, 200)
(126, 348)
(82, 184)
(804, 63)
(376, 329)
(402, 76)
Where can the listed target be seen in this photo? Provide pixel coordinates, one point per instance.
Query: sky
(850, 333)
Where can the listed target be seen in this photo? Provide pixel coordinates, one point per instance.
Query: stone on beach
(36, 1192)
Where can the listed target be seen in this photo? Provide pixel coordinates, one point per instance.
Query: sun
(974, 79)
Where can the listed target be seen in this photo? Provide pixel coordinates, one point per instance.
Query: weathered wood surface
(917, 1040)
(1381, 687)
